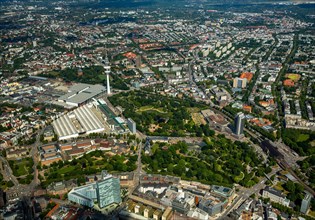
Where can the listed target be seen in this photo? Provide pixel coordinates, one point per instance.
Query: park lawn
(150, 108)
(198, 119)
(102, 77)
(208, 141)
(279, 187)
(66, 169)
(193, 110)
(311, 213)
(239, 177)
(22, 166)
(54, 73)
(302, 137)
(22, 171)
(294, 77)
(154, 147)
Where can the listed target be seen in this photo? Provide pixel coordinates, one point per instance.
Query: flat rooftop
(79, 121)
(81, 92)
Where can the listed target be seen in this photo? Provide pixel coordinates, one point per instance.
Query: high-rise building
(108, 191)
(239, 122)
(239, 82)
(105, 191)
(131, 125)
(138, 61)
(306, 203)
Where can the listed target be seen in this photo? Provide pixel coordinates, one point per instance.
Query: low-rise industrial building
(80, 94)
(77, 122)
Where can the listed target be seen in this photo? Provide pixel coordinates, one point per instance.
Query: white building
(81, 93)
(77, 122)
(275, 196)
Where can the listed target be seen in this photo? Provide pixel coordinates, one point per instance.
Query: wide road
(7, 171)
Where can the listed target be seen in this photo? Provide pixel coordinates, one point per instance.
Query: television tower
(107, 71)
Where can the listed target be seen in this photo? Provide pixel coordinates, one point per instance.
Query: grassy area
(311, 213)
(294, 77)
(169, 115)
(279, 187)
(303, 137)
(102, 77)
(154, 147)
(239, 177)
(21, 167)
(151, 108)
(4, 184)
(193, 110)
(64, 170)
(198, 119)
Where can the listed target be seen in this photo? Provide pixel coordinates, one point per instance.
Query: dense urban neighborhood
(164, 110)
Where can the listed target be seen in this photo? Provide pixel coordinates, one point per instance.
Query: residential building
(247, 75)
(16, 153)
(239, 83)
(198, 214)
(183, 203)
(167, 215)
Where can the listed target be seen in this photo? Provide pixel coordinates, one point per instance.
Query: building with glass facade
(132, 125)
(108, 191)
(239, 122)
(105, 191)
(306, 202)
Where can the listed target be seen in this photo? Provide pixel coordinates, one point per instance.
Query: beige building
(275, 196)
(239, 83)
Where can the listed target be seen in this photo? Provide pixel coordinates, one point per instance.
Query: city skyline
(157, 109)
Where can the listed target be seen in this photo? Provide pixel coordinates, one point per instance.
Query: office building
(306, 202)
(213, 204)
(83, 195)
(239, 83)
(132, 125)
(223, 191)
(105, 192)
(239, 123)
(108, 191)
(183, 202)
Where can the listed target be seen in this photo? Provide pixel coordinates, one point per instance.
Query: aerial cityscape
(157, 110)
